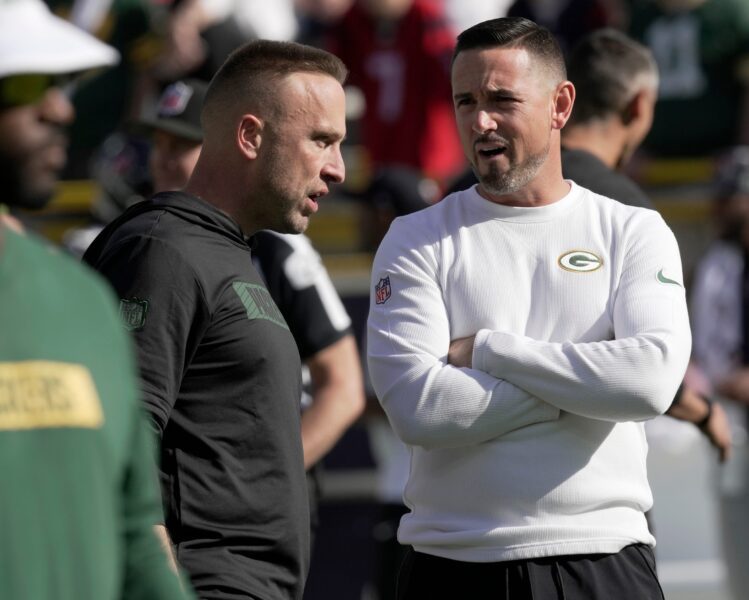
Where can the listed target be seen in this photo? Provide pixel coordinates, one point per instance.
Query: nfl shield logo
(133, 313)
(382, 291)
(174, 99)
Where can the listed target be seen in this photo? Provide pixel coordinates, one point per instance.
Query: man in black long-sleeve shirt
(219, 367)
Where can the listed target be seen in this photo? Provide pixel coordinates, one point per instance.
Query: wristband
(702, 423)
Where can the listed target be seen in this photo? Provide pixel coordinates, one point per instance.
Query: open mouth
(489, 152)
(314, 197)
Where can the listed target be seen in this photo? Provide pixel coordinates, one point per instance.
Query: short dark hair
(515, 32)
(607, 68)
(248, 69)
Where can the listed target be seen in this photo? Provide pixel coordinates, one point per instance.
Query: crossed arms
(501, 381)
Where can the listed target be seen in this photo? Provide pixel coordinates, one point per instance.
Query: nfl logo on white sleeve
(382, 290)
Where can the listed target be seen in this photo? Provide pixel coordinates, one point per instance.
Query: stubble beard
(289, 218)
(295, 223)
(282, 209)
(514, 179)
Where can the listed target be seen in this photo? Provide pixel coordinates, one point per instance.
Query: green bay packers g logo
(580, 260)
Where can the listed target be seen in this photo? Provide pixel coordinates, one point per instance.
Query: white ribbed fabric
(536, 451)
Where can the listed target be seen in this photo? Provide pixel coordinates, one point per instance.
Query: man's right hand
(460, 353)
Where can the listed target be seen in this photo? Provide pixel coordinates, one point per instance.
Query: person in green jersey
(79, 498)
(702, 51)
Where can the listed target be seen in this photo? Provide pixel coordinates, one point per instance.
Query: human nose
(484, 122)
(334, 170)
(55, 107)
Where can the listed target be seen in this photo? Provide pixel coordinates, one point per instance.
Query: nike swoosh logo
(663, 279)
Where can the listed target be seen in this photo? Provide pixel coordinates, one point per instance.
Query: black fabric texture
(308, 318)
(221, 379)
(303, 309)
(627, 574)
(590, 172)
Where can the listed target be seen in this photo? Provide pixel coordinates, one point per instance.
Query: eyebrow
(492, 93)
(329, 136)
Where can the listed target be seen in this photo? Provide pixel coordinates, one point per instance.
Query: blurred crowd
(403, 153)
(398, 55)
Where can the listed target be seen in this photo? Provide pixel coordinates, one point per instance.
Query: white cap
(33, 40)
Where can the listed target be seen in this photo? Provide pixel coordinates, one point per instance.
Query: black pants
(626, 575)
(389, 554)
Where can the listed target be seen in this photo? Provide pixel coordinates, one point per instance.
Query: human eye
(322, 141)
(503, 98)
(461, 101)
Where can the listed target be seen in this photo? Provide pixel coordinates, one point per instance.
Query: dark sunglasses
(21, 90)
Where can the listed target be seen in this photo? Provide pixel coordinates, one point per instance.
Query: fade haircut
(250, 70)
(607, 69)
(515, 32)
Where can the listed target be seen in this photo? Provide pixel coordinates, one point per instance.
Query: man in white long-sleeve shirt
(520, 331)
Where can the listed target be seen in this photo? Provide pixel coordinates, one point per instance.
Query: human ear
(249, 135)
(564, 98)
(635, 108)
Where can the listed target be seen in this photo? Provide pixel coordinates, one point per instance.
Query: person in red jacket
(398, 53)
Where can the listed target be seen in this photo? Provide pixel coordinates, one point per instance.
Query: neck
(603, 139)
(211, 185)
(530, 196)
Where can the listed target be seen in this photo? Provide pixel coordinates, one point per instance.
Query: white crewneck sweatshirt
(581, 331)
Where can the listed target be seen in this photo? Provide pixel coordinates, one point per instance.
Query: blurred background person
(80, 501)
(570, 20)
(702, 51)
(316, 17)
(154, 154)
(398, 53)
(198, 35)
(720, 323)
(107, 98)
(160, 41)
(258, 18)
(195, 38)
(464, 13)
(175, 134)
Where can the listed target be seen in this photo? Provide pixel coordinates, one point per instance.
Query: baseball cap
(33, 40)
(178, 110)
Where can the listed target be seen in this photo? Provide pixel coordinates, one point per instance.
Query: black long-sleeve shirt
(220, 374)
